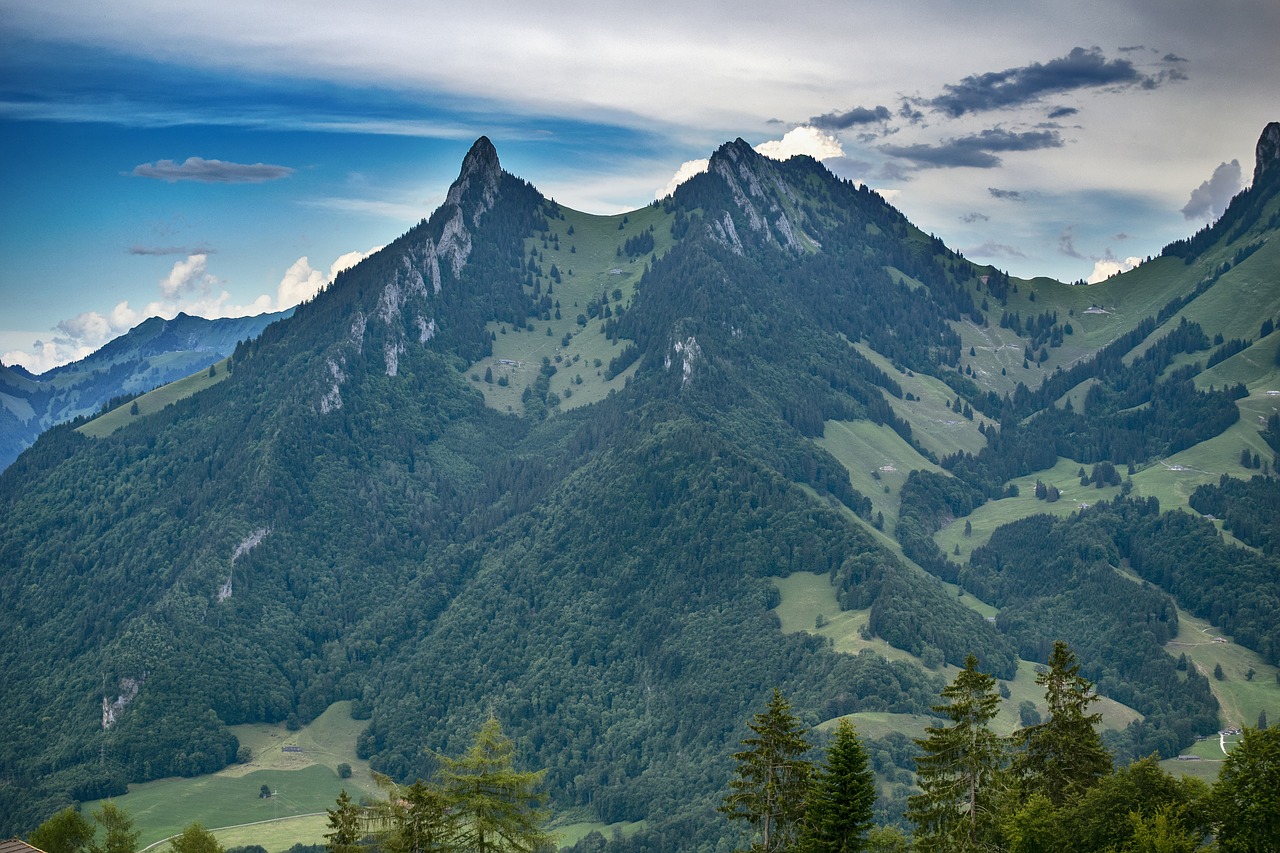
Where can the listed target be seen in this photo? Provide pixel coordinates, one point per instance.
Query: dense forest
(344, 517)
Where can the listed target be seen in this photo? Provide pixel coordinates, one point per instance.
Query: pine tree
(961, 771)
(1062, 756)
(498, 807)
(771, 778)
(1246, 797)
(838, 809)
(414, 819)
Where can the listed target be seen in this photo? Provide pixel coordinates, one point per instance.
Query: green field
(1241, 698)
(877, 459)
(589, 266)
(154, 401)
(806, 596)
(303, 783)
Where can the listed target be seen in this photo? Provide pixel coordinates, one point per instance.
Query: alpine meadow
(682, 522)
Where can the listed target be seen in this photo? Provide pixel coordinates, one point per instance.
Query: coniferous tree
(497, 806)
(771, 779)
(961, 771)
(838, 810)
(414, 819)
(344, 821)
(1062, 756)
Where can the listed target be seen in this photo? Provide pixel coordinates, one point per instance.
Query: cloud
(1067, 242)
(976, 151)
(992, 249)
(1062, 112)
(211, 171)
(1210, 199)
(855, 116)
(975, 216)
(1079, 69)
(1006, 195)
(187, 275)
(189, 288)
(804, 139)
(301, 282)
(1173, 57)
(1109, 265)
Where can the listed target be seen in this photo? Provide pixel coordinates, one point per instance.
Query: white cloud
(818, 144)
(801, 140)
(1104, 268)
(1210, 199)
(190, 289)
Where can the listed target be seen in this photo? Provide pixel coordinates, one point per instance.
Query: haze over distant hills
(560, 467)
(153, 353)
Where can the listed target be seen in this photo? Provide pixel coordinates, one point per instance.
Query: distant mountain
(565, 469)
(153, 353)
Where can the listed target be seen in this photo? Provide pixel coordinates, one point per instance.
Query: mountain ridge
(582, 571)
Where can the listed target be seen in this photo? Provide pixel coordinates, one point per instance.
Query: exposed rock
(111, 708)
(1268, 151)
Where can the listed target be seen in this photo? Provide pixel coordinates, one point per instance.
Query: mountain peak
(1268, 151)
(480, 173)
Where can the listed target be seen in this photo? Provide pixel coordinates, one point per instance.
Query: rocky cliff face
(1268, 151)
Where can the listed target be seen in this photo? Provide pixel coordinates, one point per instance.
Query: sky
(227, 159)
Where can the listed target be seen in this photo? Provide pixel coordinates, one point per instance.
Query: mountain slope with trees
(349, 516)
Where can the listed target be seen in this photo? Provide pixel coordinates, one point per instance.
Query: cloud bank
(211, 171)
(1210, 199)
(805, 139)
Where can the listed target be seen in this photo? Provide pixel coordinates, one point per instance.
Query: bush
(344, 770)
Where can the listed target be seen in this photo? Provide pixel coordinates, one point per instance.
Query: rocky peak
(477, 183)
(762, 197)
(1268, 151)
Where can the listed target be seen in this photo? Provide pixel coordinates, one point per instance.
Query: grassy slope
(154, 401)
(590, 253)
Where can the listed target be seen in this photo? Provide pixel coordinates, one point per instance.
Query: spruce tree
(1063, 756)
(771, 779)
(1246, 797)
(838, 810)
(344, 821)
(961, 771)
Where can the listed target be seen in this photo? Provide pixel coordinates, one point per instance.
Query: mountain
(560, 468)
(153, 353)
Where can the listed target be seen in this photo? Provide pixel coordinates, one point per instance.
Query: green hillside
(775, 437)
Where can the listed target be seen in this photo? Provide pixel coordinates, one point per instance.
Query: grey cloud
(211, 171)
(992, 249)
(1132, 47)
(976, 151)
(855, 116)
(975, 216)
(1173, 57)
(1210, 199)
(1067, 243)
(1079, 69)
(1062, 112)
(1006, 195)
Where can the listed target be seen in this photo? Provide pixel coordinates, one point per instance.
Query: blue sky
(222, 159)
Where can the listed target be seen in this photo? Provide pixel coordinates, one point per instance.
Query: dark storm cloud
(855, 116)
(1079, 69)
(1062, 112)
(211, 171)
(977, 151)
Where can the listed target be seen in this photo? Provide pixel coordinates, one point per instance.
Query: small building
(17, 845)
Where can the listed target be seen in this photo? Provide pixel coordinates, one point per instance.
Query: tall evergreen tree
(961, 771)
(838, 811)
(414, 819)
(344, 821)
(1062, 756)
(771, 779)
(498, 806)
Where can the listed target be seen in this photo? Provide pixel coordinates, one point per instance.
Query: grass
(589, 265)
(304, 783)
(807, 596)
(153, 401)
(877, 459)
(1241, 699)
